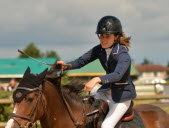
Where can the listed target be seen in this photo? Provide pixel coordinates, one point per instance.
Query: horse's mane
(72, 93)
(72, 90)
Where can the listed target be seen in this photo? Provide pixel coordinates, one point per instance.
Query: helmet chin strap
(98, 36)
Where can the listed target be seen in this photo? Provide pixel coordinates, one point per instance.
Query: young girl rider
(117, 88)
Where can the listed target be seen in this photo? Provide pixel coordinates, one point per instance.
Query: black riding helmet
(109, 25)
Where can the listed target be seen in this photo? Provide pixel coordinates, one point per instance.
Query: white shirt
(108, 51)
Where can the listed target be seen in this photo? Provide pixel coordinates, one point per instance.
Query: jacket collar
(116, 48)
(103, 57)
(115, 51)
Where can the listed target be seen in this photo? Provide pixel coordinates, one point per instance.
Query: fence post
(155, 89)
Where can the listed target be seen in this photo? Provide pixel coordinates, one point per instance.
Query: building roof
(95, 69)
(151, 68)
(14, 68)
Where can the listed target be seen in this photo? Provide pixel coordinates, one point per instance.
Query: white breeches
(116, 110)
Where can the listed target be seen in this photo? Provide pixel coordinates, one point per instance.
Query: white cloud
(69, 24)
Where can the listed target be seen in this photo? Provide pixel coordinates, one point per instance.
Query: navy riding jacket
(117, 70)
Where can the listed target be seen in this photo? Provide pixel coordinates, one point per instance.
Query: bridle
(33, 113)
(76, 123)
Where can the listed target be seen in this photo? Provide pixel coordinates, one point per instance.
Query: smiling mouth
(104, 43)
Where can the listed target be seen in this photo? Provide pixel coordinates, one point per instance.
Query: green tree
(146, 61)
(168, 64)
(32, 50)
(52, 54)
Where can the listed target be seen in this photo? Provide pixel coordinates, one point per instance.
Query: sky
(68, 26)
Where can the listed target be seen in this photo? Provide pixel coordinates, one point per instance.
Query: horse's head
(29, 103)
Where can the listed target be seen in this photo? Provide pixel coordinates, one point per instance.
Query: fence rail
(6, 101)
(152, 97)
(139, 97)
(2, 124)
(144, 97)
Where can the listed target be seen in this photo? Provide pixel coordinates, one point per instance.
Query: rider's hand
(90, 85)
(64, 66)
(60, 62)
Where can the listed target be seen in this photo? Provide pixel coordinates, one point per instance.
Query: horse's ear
(42, 75)
(28, 70)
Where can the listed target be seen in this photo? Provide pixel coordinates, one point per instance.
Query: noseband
(33, 112)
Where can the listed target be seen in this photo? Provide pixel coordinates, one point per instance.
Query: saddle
(129, 115)
(103, 107)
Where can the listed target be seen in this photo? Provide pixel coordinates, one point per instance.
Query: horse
(39, 97)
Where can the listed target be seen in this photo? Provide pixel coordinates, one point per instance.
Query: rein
(76, 123)
(85, 114)
(34, 110)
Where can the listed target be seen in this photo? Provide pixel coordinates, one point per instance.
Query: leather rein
(84, 114)
(32, 116)
(75, 122)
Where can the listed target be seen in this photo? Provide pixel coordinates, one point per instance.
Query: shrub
(5, 109)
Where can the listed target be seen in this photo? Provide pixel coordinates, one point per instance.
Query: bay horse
(40, 98)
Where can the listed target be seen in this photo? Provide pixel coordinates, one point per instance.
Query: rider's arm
(88, 57)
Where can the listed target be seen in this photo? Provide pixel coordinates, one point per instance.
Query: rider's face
(107, 40)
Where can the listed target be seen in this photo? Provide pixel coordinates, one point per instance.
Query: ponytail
(124, 40)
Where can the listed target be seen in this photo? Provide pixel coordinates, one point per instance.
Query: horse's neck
(54, 105)
(56, 111)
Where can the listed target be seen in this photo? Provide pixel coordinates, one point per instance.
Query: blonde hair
(124, 40)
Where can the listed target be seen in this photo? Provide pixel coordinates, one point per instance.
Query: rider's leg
(116, 111)
(104, 95)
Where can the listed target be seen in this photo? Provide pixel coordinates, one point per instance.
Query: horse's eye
(29, 99)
